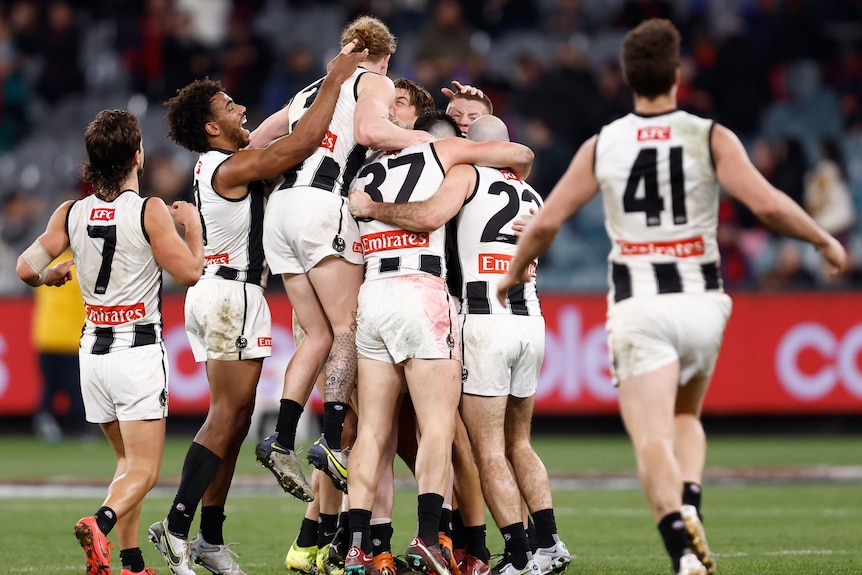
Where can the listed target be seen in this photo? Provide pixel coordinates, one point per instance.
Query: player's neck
(131, 182)
(652, 107)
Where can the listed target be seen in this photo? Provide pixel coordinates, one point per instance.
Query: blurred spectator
(567, 98)
(244, 63)
(14, 112)
(791, 165)
(552, 156)
(18, 219)
(293, 72)
(185, 58)
(19, 216)
(788, 272)
(58, 318)
(849, 88)
(616, 96)
(24, 20)
(498, 17)
(442, 48)
(809, 114)
(167, 176)
(210, 19)
(61, 73)
(826, 195)
(738, 85)
(735, 270)
(142, 47)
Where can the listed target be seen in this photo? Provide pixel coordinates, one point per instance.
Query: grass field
(772, 505)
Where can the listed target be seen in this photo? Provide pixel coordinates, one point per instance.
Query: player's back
(409, 175)
(119, 277)
(660, 197)
(486, 243)
(334, 164)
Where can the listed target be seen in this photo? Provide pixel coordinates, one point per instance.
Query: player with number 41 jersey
(661, 213)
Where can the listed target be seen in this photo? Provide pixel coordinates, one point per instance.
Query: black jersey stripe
(621, 278)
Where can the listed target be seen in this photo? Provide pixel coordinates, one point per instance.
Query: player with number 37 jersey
(412, 174)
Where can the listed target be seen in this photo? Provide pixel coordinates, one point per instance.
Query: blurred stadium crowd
(785, 75)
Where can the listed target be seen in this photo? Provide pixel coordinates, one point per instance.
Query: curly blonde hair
(370, 33)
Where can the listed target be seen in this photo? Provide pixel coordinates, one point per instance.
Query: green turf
(786, 527)
(24, 458)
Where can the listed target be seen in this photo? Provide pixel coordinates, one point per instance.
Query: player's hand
(343, 65)
(60, 274)
(460, 88)
(360, 204)
(504, 285)
(185, 214)
(835, 255)
(520, 224)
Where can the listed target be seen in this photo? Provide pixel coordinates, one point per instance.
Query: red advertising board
(782, 354)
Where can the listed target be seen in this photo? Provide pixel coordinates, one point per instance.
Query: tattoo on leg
(340, 368)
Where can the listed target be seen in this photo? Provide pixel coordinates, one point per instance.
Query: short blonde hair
(370, 33)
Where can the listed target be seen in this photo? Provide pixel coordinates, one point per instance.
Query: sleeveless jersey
(334, 164)
(232, 228)
(410, 175)
(486, 243)
(660, 197)
(120, 281)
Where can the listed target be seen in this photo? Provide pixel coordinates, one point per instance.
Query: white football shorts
(126, 385)
(303, 225)
(648, 332)
(227, 320)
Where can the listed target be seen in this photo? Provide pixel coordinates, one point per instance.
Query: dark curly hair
(188, 113)
(111, 139)
(650, 57)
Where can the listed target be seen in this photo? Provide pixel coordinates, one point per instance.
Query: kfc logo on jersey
(217, 260)
(264, 342)
(329, 140)
(198, 167)
(102, 214)
(394, 240)
(507, 175)
(114, 314)
(654, 133)
(499, 264)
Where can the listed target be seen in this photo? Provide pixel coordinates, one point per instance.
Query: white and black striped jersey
(334, 164)
(660, 197)
(121, 283)
(410, 175)
(485, 244)
(232, 228)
